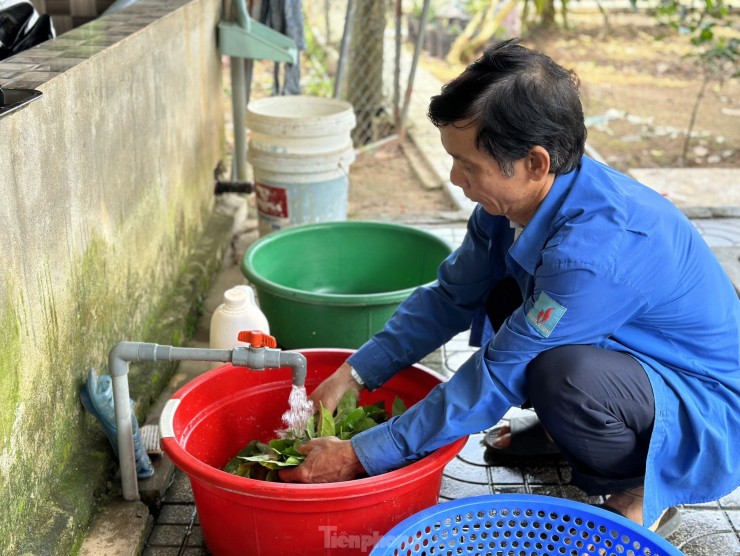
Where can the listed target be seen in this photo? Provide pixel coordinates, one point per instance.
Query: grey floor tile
(473, 452)
(459, 343)
(734, 517)
(705, 532)
(574, 493)
(461, 471)
(168, 535)
(180, 490)
(454, 359)
(732, 500)
(506, 476)
(195, 538)
(509, 489)
(176, 514)
(546, 490)
(453, 489)
(160, 551)
(719, 232)
(710, 544)
(541, 476)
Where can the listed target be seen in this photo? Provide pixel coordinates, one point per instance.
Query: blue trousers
(598, 407)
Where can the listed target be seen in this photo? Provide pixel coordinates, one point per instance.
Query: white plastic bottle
(238, 312)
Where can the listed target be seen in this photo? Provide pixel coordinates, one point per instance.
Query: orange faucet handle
(257, 339)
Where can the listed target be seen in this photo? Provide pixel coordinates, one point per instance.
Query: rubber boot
(97, 397)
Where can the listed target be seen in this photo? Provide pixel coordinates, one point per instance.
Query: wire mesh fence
(356, 52)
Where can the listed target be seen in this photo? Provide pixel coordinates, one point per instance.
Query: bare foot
(503, 440)
(629, 504)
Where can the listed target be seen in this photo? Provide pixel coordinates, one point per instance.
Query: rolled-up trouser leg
(599, 408)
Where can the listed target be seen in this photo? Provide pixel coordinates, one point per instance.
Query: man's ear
(538, 163)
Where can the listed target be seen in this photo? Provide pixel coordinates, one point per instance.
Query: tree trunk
(475, 38)
(546, 11)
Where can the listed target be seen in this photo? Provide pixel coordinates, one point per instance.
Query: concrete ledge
(729, 257)
(698, 192)
(120, 529)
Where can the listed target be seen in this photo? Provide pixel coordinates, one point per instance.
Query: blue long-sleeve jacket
(605, 261)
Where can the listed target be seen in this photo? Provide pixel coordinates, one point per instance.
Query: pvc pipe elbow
(298, 363)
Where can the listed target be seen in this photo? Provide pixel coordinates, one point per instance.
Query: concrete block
(730, 259)
(119, 529)
(698, 192)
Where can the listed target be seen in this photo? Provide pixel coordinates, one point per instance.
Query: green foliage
(418, 8)
(703, 22)
(709, 29)
(317, 81)
(261, 461)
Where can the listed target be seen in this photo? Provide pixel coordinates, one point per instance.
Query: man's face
(480, 177)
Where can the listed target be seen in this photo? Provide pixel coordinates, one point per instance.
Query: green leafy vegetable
(327, 427)
(261, 461)
(398, 407)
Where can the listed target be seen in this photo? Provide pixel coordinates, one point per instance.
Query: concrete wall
(105, 192)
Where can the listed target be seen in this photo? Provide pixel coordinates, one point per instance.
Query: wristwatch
(356, 376)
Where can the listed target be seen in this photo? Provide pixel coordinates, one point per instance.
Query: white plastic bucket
(300, 149)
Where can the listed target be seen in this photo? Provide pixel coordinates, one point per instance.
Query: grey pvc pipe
(125, 352)
(344, 48)
(397, 66)
(238, 109)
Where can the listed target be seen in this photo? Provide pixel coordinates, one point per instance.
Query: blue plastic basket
(520, 525)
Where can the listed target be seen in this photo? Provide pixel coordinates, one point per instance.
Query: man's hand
(331, 390)
(328, 460)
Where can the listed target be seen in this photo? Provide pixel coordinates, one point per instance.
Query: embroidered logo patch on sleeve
(545, 314)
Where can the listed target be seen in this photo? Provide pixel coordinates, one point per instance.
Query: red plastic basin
(212, 417)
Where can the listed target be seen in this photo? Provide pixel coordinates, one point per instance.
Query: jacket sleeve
(469, 402)
(568, 306)
(433, 314)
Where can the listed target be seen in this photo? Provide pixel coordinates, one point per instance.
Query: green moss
(64, 459)
(176, 320)
(10, 349)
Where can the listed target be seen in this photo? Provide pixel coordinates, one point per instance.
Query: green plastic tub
(336, 284)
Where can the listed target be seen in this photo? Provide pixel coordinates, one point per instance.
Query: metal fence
(356, 52)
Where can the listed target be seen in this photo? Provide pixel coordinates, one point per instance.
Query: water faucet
(260, 354)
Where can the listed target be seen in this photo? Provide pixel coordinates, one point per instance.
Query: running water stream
(301, 410)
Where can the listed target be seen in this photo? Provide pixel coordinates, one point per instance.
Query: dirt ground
(638, 89)
(384, 184)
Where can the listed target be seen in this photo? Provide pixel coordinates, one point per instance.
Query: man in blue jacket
(625, 339)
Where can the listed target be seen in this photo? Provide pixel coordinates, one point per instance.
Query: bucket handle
(166, 420)
(344, 167)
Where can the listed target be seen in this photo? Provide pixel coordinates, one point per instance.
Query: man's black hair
(518, 98)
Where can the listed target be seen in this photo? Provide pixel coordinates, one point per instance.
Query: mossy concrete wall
(106, 191)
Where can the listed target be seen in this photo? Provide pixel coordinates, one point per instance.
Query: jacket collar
(526, 250)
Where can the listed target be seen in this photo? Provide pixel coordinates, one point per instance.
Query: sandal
(529, 442)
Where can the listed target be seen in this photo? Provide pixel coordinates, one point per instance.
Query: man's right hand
(331, 390)
(328, 460)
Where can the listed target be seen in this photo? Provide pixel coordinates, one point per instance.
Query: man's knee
(582, 379)
(555, 370)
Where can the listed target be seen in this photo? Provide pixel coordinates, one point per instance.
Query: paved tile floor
(711, 529)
